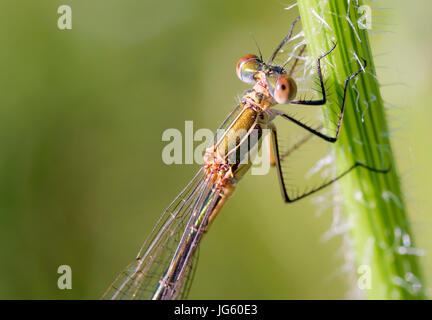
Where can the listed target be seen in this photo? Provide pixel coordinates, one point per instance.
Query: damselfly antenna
(259, 50)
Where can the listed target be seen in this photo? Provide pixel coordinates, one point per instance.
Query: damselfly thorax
(225, 157)
(255, 116)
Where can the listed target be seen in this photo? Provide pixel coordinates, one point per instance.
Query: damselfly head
(281, 86)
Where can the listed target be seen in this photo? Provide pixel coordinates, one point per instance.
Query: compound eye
(282, 87)
(247, 67)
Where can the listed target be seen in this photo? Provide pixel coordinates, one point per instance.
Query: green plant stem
(386, 260)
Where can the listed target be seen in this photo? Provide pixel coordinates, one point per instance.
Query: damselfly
(165, 262)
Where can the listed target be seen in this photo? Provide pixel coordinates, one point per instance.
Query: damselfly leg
(276, 156)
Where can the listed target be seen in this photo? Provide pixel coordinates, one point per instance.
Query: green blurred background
(82, 115)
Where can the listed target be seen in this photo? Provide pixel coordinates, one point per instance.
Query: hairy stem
(385, 256)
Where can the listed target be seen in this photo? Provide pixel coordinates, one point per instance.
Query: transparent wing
(228, 122)
(190, 275)
(231, 117)
(140, 278)
(189, 211)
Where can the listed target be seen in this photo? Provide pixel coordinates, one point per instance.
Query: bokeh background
(82, 115)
